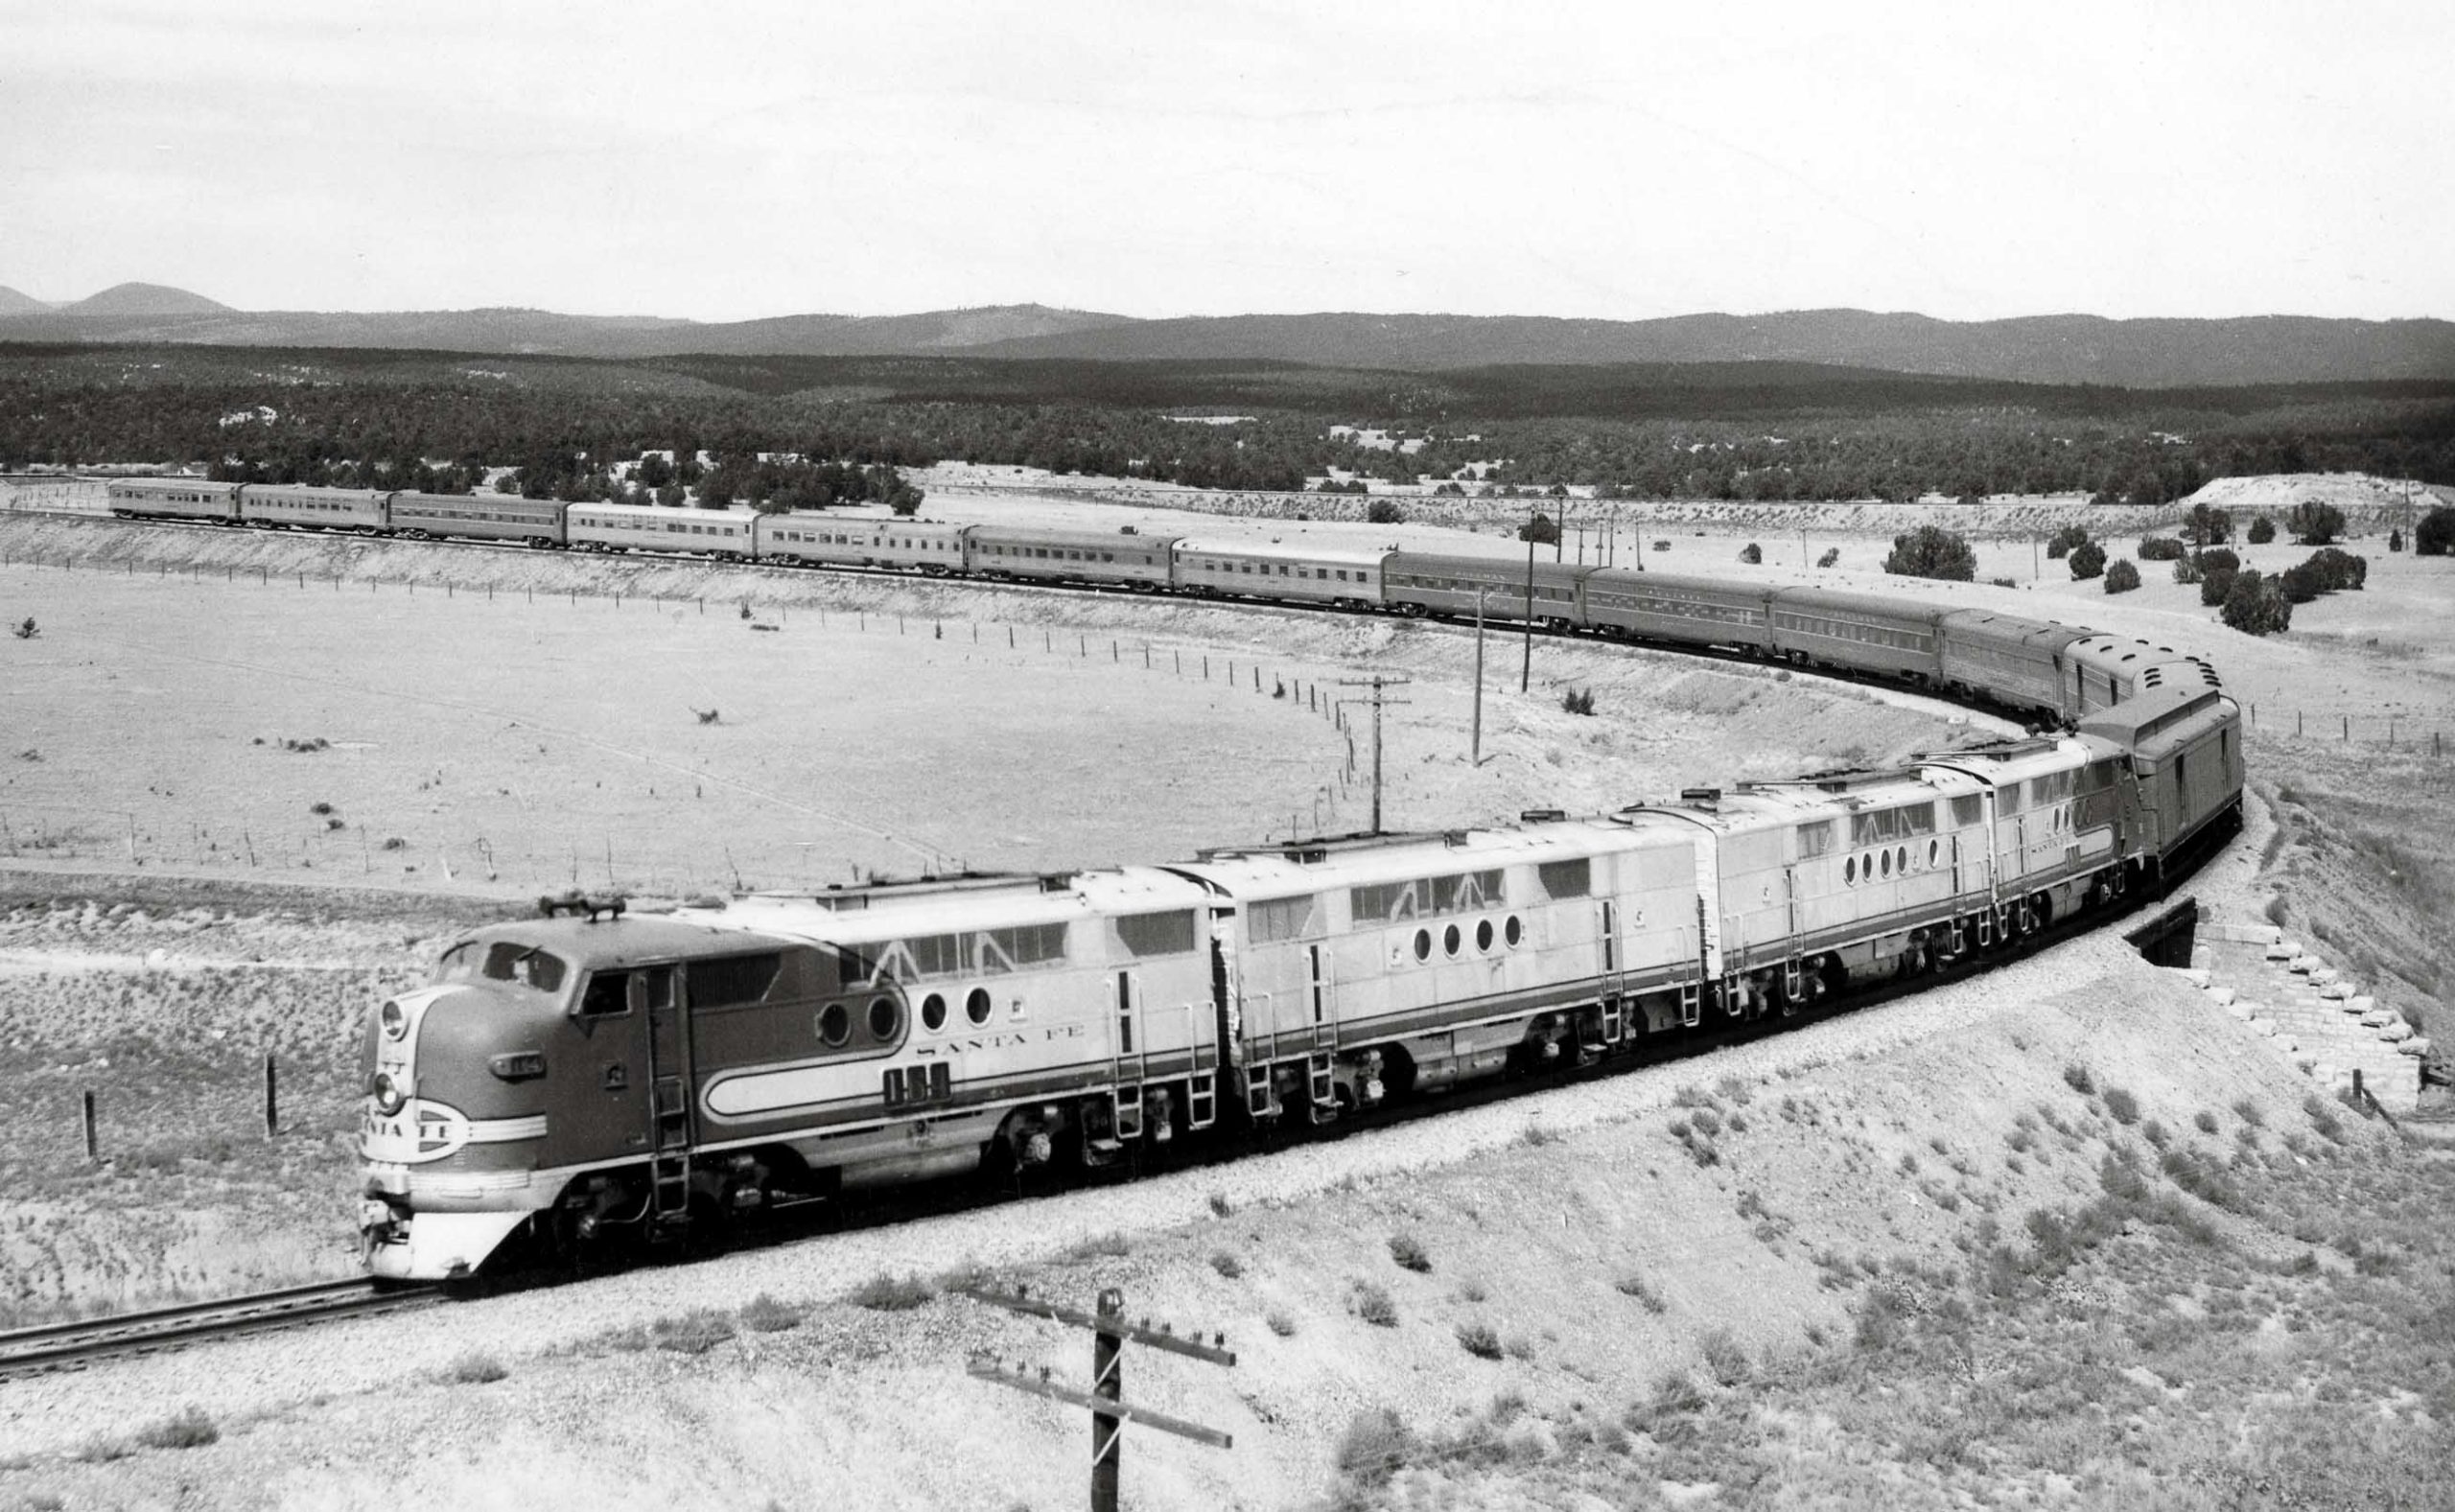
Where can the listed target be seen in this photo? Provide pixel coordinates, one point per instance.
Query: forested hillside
(1752, 431)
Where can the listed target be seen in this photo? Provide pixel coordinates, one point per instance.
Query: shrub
(2088, 560)
(2315, 523)
(1831, 554)
(886, 1293)
(1220, 1205)
(2216, 559)
(1372, 1304)
(1479, 1340)
(2255, 606)
(2066, 541)
(2076, 1077)
(2214, 586)
(2124, 1107)
(2300, 584)
(1410, 1254)
(2435, 535)
(2207, 526)
(1724, 1355)
(1226, 1264)
(477, 1367)
(764, 1313)
(2337, 570)
(2395, 540)
(1382, 512)
(1578, 701)
(190, 1429)
(1635, 1285)
(2249, 1112)
(2187, 571)
(2003, 582)
(2204, 1121)
(2323, 1119)
(1751, 553)
(2262, 530)
(2121, 578)
(2161, 548)
(1374, 1445)
(1280, 1323)
(1932, 551)
(694, 1332)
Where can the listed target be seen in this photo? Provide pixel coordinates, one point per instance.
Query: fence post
(93, 1144)
(272, 1099)
(2348, 728)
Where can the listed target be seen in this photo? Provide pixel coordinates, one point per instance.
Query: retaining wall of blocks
(2318, 1018)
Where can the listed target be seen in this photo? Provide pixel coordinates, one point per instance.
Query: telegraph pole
(1111, 1332)
(1526, 674)
(1477, 753)
(1377, 684)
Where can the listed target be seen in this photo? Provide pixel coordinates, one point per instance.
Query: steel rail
(72, 1344)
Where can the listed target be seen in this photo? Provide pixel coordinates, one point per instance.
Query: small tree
(2257, 606)
(2066, 541)
(2089, 560)
(2338, 569)
(1541, 529)
(2187, 571)
(1932, 551)
(2262, 530)
(2160, 548)
(2208, 525)
(1382, 512)
(2395, 540)
(2215, 588)
(2219, 560)
(28, 630)
(2315, 523)
(1830, 555)
(2121, 577)
(2435, 535)
(1751, 553)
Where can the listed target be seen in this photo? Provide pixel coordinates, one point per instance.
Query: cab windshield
(532, 967)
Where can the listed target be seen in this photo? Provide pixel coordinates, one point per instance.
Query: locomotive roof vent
(1453, 838)
(1056, 881)
(1700, 795)
(1542, 816)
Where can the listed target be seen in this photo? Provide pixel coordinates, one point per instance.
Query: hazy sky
(725, 161)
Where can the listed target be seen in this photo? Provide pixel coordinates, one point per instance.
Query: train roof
(313, 490)
(1621, 579)
(1047, 535)
(628, 940)
(889, 910)
(1312, 866)
(159, 484)
(2154, 721)
(1503, 564)
(2008, 760)
(1879, 605)
(663, 512)
(1988, 625)
(1281, 551)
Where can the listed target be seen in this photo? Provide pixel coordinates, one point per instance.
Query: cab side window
(608, 995)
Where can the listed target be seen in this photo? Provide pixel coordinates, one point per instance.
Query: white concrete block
(2337, 992)
(2202, 958)
(2395, 1031)
(2379, 1018)
(2220, 995)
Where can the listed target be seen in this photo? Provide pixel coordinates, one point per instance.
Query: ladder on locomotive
(668, 1101)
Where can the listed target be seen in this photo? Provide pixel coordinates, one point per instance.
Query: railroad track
(74, 1345)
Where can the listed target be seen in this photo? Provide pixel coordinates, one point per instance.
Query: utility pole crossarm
(1114, 1326)
(1020, 1379)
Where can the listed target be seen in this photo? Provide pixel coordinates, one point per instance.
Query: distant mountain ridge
(2047, 349)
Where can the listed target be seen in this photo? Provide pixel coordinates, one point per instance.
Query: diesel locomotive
(591, 1075)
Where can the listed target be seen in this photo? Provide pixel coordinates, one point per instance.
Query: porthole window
(1849, 870)
(886, 1018)
(1934, 849)
(933, 1012)
(975, 1006)
(1450, 939)
(1423, 944)
(1483, 934)
(1513, 931)
(1887, 863)
(1901, 859)
(834, 1025)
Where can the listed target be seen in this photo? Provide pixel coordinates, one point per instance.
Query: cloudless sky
(727, 160)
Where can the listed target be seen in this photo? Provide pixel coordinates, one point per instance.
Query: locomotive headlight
(390, 1096)
(394, 1019)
